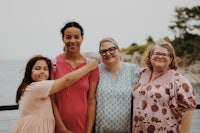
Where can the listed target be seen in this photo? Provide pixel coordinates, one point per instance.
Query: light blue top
(114, 99)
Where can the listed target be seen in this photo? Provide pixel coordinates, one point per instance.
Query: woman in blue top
(114, 100)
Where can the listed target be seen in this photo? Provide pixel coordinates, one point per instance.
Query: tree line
(185, 26)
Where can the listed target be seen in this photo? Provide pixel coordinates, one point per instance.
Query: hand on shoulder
(92, 64)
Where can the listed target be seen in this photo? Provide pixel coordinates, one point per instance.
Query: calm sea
(11, 74)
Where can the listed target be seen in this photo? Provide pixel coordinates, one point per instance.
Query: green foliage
(136, 48)
(188, 47)
(167, 39)
(150, 39)
(186, 21)
(186, 28)
(134, 44)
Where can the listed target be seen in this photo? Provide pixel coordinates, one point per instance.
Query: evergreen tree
(186, 29)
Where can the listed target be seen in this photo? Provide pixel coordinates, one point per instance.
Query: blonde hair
(162, 43)
(108, 39)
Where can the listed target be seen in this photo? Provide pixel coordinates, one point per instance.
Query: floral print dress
(159, 105)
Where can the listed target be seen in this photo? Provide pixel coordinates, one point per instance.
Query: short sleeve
(41, 89)
(185, 94)
(94, 75)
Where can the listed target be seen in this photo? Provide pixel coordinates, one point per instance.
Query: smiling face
(109, 52)
(160, 59)
(72, 39)
(40, 71)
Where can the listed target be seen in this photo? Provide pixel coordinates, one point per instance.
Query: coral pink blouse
(72, 101)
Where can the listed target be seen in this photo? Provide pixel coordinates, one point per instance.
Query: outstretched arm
(72, 77)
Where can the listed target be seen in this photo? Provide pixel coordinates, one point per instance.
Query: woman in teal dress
(114, 100)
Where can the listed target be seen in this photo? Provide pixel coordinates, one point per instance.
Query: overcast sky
(29, 27)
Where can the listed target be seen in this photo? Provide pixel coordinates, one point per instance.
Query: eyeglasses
(111, 50)
(161, 54)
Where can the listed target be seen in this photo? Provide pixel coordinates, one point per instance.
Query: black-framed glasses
(161, 54)
(111, 50)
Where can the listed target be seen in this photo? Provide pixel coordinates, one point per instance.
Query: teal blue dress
(114, 99)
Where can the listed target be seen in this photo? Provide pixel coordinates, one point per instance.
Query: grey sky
(29, 27)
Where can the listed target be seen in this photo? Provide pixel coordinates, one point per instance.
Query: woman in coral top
(75, 105)
(33, 95)
(164, 100)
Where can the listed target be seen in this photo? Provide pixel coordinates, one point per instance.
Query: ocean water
(11, 73)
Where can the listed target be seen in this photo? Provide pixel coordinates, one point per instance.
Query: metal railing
(8, 107)
(15, 107)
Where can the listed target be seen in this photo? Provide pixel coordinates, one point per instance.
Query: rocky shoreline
(192, 72)
(194, 77)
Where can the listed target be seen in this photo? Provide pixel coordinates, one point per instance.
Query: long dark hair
(28, 72)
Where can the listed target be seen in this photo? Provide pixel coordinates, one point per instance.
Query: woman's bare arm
(72, 77)
(91, 113)
(186, 121)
